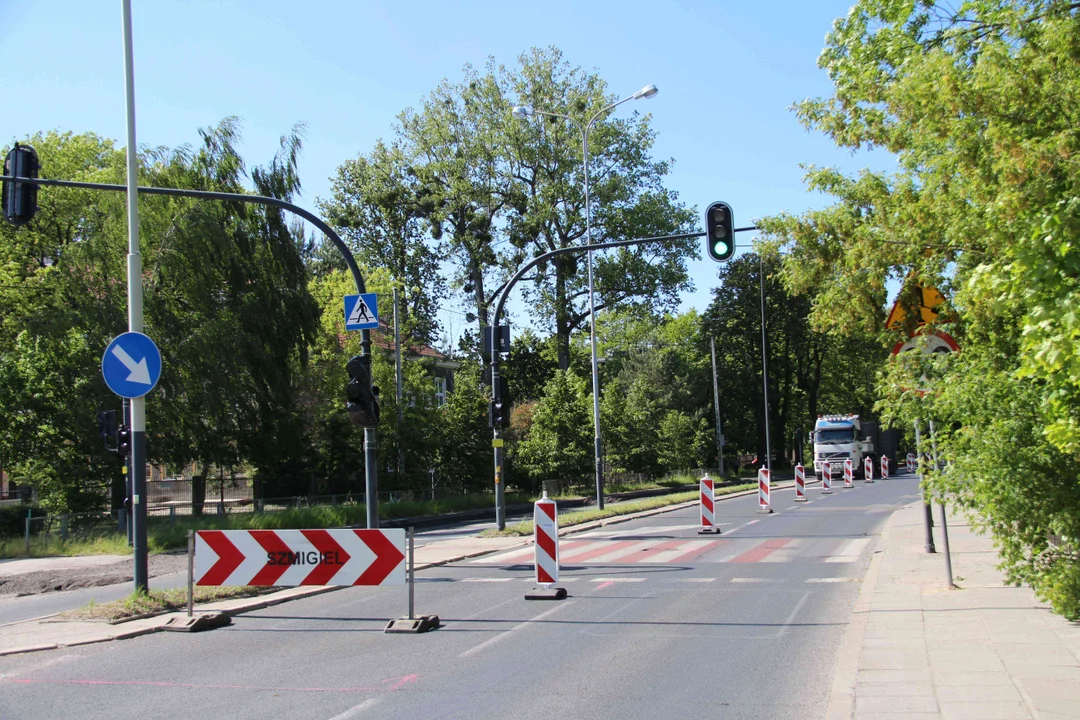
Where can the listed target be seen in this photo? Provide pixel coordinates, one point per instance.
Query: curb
(842, 694)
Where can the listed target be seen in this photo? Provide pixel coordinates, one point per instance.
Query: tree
(378, 208)
(975, 102)
(559, 446)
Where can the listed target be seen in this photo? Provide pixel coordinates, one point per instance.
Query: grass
(163, 536)
(156, 602)
(577, 517)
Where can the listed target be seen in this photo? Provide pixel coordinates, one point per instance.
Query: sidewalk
(918, 650)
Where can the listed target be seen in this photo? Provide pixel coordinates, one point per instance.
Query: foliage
(559, 446)
(976, 101)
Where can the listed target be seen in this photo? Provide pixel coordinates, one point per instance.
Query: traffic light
(499, 411)
(362, 399)
(20, 200)
(123, 441)
(720, 231)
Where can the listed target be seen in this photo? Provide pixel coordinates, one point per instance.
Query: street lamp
(523, 112)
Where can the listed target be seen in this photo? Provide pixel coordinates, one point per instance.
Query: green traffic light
(719, 228)
(720, 248)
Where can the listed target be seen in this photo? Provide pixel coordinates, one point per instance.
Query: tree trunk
(562, 315)
(198, 490)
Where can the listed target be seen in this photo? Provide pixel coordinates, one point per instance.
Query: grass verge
(163, 536)
(584, 515)
(158, 601)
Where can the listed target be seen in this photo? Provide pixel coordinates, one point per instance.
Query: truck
(839, 437)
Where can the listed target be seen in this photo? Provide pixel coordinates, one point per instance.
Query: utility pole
(135, 317)
(400, 410)
(716, 407)
(764, 365)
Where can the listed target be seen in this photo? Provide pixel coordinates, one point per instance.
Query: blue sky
(728, 72)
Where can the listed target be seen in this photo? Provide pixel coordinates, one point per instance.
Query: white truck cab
(837, 438)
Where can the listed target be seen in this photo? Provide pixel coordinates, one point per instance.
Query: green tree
(976, 102)
(560, 444)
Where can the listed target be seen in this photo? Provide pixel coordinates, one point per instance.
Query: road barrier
(300, 557)
(546, 550)
(800, 483)
(764, 484)
(868, 469)
(849, 474)
(910, 462)
(884, 467)
(708, 507)
(826, 479)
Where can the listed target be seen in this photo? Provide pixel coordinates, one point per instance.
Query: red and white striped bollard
(800, 483)
(546, 550)
(849, 474)
(764, 485)
(884, 467)
(868, 469)
(708, 507)
(826, 479)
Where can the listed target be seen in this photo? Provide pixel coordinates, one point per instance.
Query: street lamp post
(523, 112)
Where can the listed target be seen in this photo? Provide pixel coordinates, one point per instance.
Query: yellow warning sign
(497, 442)
(930, 298)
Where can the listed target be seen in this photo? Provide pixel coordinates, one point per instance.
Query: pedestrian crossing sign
(361, 312)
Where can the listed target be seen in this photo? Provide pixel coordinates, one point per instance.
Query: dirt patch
(35, 583)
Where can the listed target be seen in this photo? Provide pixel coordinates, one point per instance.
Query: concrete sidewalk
(985, 651)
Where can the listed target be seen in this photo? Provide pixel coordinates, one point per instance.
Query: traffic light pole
(370, 444)
(497, 440)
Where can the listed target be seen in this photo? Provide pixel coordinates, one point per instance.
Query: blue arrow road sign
(361, 312)
(131, 365)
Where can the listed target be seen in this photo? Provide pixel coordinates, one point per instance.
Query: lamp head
(522, 112)
(646, 92)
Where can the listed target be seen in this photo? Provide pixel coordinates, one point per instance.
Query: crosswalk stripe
(831, 580)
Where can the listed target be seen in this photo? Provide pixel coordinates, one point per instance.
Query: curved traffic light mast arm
(370, 459)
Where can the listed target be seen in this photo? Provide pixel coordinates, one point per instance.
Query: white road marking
(752, 580)
(617, 579)
(486, 580)
(357, 709)
(831, 580)
(503, 635)
(696, 580)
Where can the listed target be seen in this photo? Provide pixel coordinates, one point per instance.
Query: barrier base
(546, 594)
(868, 481)
(709, 531)
(196, 623)
(826, 491)
(764, 510)
(420, 624)
(800, 498)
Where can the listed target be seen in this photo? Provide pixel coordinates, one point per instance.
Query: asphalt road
(660, 622)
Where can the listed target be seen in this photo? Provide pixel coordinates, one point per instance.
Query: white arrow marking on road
(140, 373)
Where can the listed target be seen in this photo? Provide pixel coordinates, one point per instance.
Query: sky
(728, 73)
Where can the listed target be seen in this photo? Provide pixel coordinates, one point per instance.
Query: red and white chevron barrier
(849, 474)
(910, 463)
(826, 479)
(800, 483)
(884, 467)
(708, 506)
(546, 541)
(868, 469)
(300, 557)
(764, 485)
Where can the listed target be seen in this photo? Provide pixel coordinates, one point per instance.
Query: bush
(13, 519)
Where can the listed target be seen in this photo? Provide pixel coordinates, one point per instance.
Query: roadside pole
(716, 406)
(135, 317)
(929, 520)
(944, 521)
